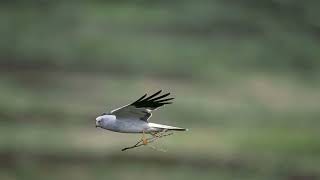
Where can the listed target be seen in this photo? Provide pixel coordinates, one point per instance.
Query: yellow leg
(144, 140)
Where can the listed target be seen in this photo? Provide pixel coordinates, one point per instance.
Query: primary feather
(141, 109)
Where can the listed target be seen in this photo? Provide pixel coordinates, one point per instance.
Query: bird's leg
(144, 140)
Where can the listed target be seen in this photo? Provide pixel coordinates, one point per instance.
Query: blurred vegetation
(171, 38)
(245, 75)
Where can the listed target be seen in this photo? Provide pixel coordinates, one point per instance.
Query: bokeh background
(245, 75)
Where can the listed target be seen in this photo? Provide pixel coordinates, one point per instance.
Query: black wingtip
(162, 96)
(153, 101)
(140, 98)
(153, 95)
(162, 100)
(166, 103)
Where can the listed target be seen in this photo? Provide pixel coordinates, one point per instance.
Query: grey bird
(134, 117)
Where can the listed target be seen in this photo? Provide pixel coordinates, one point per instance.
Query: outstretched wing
(141, 109)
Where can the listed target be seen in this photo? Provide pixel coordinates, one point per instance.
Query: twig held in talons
(149, 140)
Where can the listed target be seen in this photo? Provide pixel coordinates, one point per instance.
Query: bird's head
(103, 119)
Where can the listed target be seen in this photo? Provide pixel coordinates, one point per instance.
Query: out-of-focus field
(236, 128)
(245, 77)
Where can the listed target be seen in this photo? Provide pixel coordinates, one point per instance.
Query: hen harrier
(134, 118)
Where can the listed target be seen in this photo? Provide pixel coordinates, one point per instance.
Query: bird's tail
(161, 126)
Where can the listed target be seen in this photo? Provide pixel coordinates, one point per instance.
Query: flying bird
(134, 118)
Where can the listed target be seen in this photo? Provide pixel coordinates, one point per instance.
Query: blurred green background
(245, 75)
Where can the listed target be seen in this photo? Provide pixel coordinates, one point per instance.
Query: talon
(144, 140)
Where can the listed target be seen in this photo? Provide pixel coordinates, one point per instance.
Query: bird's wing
(141, 109)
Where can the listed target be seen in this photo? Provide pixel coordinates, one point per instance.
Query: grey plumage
(134, 117)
